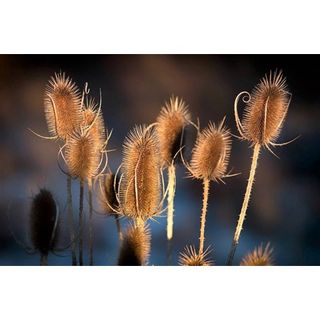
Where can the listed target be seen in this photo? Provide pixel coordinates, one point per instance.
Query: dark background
(284, 208)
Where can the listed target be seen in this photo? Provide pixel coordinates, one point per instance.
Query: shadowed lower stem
(71, 222)
(43, 260)
(118, 226)
(171, 193)
(245, 203)
(81, 224)
(206, 185)
(90, 228)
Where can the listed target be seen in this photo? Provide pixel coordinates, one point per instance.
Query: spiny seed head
(190, 257)
(259, 257)
(43, 222)
(140, 188)
(82, 157)
(173, 117)
(211, 153)
(62, 105)
(266, 110)
(135, 246)
(108, 198)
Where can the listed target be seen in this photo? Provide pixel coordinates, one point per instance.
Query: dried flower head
(211, 153)
(259, 257)
(135, 246)
(62, 105)
(108, 198)
(43, 222)
(140, 188)
(173, 118)
(265, 110)
(190, 257)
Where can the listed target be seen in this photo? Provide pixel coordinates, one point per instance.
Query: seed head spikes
(259, 257)
(190, 257)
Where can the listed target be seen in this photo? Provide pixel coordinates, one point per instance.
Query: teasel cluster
(261, 256)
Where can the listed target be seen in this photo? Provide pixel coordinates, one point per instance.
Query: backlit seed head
(140, 187)
(62, 105)
(135, 246)
(43, 222)
(259, 257)
(173, 118)
(266, 110)
(190, 257)
(108, 198)
(211, 153)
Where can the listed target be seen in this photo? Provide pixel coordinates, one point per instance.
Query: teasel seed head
(135, 246)
(211, 152)
(44, 222)
(173, 118)
(259, 257)
(140, 187)
(62, 105)
(265, 110)
(108, 193)
(190, 257)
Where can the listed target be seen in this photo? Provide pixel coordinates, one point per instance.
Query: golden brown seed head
(211, 152)
(190, 257)
(173, 117)
(266, 110)
(135, 246)
(62, 105)
(259, 257)
(108, 198)
(140, 188)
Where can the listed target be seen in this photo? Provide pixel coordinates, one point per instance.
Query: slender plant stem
(206, 185)
(245, 203)
(118, 226)
(71, 222)
(81, 224)
(171, 193)
(43, 260)
(90, 228)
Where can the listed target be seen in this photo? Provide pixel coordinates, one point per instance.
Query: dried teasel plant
(44, 217)
(261, 256)
(190, 257)
(209, 161)
(170, 124)
(265, 111)
(135, 246)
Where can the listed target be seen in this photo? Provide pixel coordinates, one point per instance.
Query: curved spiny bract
(135, 246)
(62, 105)
(259, 257)
(211, 153)
(43, 222)
(190, 257)
(173, 118)
(266, 109)
(108, 194)
(140, 188)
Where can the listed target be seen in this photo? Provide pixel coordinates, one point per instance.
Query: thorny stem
(90, 228)
(81, 224)
(43, 260)
(71, 222)
(206, 185)
(245, 203)
(118, 226)
(171, 193)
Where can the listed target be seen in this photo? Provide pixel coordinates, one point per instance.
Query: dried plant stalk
(90, 228)
(71, 222)
(81, 223)
(206, 185)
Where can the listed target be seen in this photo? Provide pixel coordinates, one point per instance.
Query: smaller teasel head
(173, 118)
(135, 246)
(265, 110)
(259, 257)
(44, 217)
(140, 185)
(62, 105)
(190, 257)
(108, 193)
(210, 154)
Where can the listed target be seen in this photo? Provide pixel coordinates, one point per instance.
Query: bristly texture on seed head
(266, 110)
(211, 152)
(43, 222)
(62, 105)
(135, 246)
(173, 118)
(190, 257)
(108, 198)
(259, 257)
(140, 188)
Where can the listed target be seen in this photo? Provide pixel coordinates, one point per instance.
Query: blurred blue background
(284, 209)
